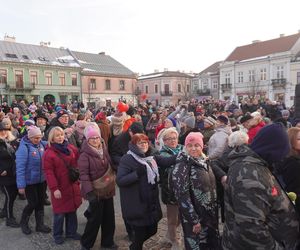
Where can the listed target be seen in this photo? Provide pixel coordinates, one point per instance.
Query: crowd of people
(209, 162)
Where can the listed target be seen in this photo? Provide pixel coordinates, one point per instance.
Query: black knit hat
(223, 119)
(41, 115)
(245, 118)
(136, 128)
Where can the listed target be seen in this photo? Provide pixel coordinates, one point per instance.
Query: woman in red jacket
(65, 194)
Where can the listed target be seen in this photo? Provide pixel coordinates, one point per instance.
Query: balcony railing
(20, 87)
(226, 86)
(279, 82)
(203, 92)
(166, 93)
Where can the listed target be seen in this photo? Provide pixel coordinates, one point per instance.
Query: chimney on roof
(255, 41)
(102, 53)
(44, 44)
(9, 39)
(156, 71)
(281, 35)
(165, 69)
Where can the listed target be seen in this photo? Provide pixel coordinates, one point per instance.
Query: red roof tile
(263, 48)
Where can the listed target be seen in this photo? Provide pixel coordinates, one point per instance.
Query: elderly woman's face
(171, 140)
(194, 149)
(143, 145)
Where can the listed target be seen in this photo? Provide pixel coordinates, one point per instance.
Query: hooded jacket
(29, 163)
(258, 213)
(218, 142)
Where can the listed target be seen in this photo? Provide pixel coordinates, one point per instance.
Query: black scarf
(62, 147)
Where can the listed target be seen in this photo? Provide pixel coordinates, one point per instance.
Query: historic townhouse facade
(105, 81)
(262, 69)
(206, 83)
(38, 72)
(165, 88)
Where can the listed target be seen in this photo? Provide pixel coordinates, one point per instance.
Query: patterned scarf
(151, 166)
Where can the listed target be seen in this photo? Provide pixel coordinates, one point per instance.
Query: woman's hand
(57, 194)
(4, 173)
(21, 190)
(197, 228)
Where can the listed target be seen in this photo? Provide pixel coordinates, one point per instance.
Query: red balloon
(122, 107)
(143, 96)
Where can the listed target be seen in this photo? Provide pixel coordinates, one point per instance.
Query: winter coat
(119, 147)
(254, 130)
(105, 130)
(57, 177)
(139, 199)
(29, 163)
(194, 185)
(167, 194)
(7, 163)
(258, 213)
(91, 166)
(218, 142)
(290, 173)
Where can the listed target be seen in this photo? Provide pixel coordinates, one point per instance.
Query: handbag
(105, 186)
(72, 171)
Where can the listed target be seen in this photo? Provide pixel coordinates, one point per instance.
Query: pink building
(104, 80)
(165, 88)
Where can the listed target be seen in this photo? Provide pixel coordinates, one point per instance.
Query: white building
(261, 69)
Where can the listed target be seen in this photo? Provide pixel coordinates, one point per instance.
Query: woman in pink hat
(194, 186)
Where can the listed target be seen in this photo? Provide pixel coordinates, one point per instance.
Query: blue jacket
(29, 163)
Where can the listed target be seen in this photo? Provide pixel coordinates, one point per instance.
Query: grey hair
(237, 138)
(169, 131)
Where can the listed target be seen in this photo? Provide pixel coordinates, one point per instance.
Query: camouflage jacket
(194, 186)
(258, 213)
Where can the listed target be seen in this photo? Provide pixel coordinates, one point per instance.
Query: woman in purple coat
(93, 163)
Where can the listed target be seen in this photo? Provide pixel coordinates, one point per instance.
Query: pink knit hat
(34, 131)
(91, 131)
(196, 137)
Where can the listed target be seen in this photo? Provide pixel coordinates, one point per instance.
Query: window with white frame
(279, 72)
(227, 78)
(146, 89)
(19, 78)
(252, 75)
(240, 77)
(122, 85)
(74, 79)
(156, 88)
(179, 87)
(48, 78)
(263, 74)
(93, 84)
(33, 77)
(62, 79)
(3, 76)
(107, 84)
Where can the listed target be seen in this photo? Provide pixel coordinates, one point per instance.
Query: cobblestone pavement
(14, 239)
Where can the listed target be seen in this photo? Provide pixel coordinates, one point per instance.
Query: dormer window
(43, 59)
(8, 55)
(25, 57)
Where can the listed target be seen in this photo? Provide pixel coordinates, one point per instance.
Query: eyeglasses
(140, 143)
(171, 139)
(94, 138)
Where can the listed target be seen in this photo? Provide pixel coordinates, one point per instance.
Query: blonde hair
(168, 131)
(292, 134)
(52, 134)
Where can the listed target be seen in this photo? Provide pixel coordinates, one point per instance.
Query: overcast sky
(145, 35)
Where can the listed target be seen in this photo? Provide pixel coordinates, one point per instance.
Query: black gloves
(140, 171)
